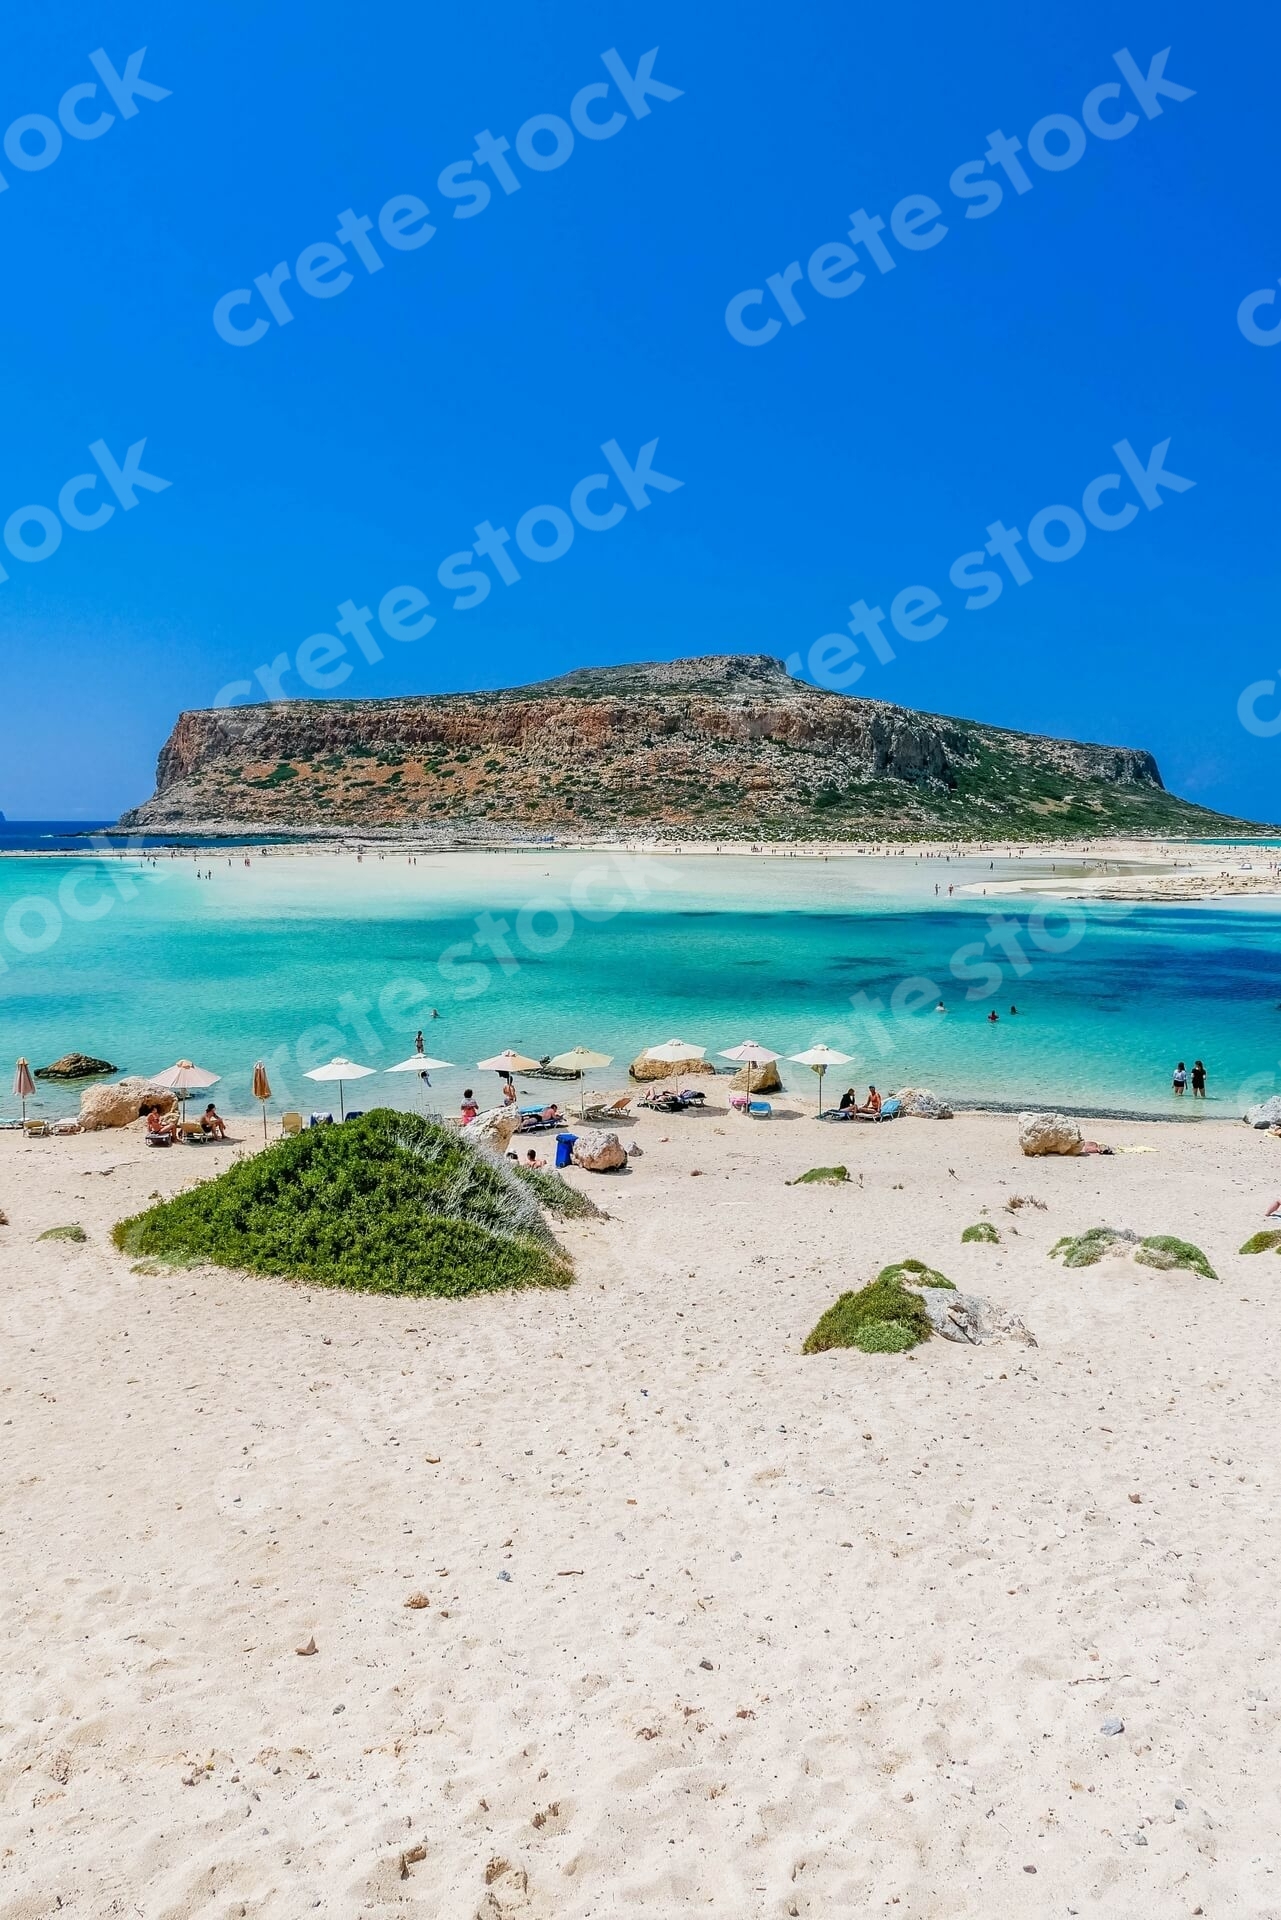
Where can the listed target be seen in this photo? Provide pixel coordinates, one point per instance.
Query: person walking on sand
(1198, 1080)
(1180, 1081)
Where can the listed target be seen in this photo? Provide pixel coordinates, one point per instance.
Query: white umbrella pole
(821, 1072)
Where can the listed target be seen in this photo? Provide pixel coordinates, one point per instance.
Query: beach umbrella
(184, 1078)
(578, 1060)
(340, 1070)
(509, 1061)
(674, 1050)
(419, 1063)
(753, 1054)
(23, 1086)
(821, 1058)
(262, 1091)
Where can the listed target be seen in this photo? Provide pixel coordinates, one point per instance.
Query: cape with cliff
(720, 748)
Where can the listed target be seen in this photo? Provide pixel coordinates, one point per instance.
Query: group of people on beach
(849, 1102)
(1180, 1081)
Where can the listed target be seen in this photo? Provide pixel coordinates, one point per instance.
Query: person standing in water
(1198, 1080)
(1180, 1080)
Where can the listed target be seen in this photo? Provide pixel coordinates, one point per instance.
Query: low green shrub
(867, 1316)
(63, 1233)
(982, 1230)
(1164, 1251)
(915, 1273)
(1265, 1241)
(1087, 1249)
(389, 1203)
(821, 1176)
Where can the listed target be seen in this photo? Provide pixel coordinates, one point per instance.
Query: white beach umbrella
(509, 1061)
(23, 1086)
(417, 1063)
(674, 1050)
(821, 1058)
(340, 1070)
(753, 1054)
(581, 1060)
(184, 1078)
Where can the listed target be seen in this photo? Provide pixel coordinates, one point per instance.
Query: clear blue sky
(478, 375)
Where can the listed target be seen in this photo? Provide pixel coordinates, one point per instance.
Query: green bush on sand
(882, 1317)
(982, 1230)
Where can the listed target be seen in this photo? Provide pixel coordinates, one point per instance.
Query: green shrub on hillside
(1265, 1241)
(389, 1203)
(982, 1230)
(1087, 1249)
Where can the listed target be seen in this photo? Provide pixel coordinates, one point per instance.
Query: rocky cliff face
(719, 747)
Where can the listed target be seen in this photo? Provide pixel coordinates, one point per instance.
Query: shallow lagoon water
(298, 956)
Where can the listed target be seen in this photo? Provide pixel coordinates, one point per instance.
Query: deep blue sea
(294, 957)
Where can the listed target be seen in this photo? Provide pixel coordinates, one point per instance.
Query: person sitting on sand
(553, 1114)
(468, 1111)
(211, 1121)
(873, 1102)
(532, 1159)
(158, 1127)
(849, 1101)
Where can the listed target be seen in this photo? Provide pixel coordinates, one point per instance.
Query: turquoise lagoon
(297, 956)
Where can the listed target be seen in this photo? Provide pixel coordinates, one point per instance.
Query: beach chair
(604, 1111)
(759, 1109)
(320, 1120)
(355, 1116)
(291, 1123)
(36, 1129)
(890, 1110)
(192, 1133)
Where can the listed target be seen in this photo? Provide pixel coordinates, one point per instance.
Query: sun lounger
(759, 1109)
(291, 1123)
(890, 1110)
(320, 1120)
(35, 1129)
(355, 1116)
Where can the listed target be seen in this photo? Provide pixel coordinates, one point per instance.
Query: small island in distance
(725, 747)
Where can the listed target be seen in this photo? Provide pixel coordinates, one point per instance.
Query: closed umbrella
(183, 1079)
(262, 1091)
(753, 1054)
(23, 1086)
(340, 1069)
(821, 1058)
(580, 1060)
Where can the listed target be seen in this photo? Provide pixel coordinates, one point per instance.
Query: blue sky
(478, 375)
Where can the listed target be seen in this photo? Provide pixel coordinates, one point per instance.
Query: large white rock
(118, 1104)
(599, 1152)
(1048, 1133)
(970, 1321)
(493, 1128)
(1266, 1114)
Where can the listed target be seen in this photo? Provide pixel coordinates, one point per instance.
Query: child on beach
(468, 1111)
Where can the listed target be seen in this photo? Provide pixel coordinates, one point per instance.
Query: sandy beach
(710, 1626)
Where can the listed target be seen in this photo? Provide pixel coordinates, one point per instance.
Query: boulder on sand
(763, 1079)
(643, 1069)
(924, 1104)
(493, 1128)
(1048, 1133)
(599, 1152)
(965, 1318)
(75, 1066)
(119, 1104)
(1266, 1114)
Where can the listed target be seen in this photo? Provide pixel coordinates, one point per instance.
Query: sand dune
(712, 1627)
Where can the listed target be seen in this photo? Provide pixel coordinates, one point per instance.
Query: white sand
(922, 1584)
